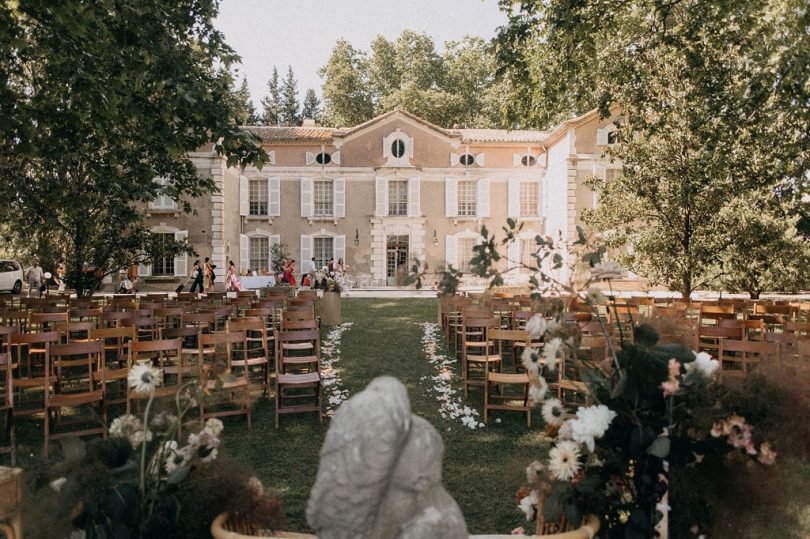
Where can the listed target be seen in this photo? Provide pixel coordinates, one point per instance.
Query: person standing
(35, 278)
(232, 282)
(197, 274)
(61, 270)
(311, 269)
(132, 277)
(209, 276)
(330, 267)
(289, 274)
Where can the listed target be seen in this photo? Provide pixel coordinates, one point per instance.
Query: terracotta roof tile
(292, 134)
(502, 135)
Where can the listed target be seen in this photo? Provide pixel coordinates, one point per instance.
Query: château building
(385, 192)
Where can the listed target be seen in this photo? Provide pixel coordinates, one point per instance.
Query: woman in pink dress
(232, 282)
(290, 273)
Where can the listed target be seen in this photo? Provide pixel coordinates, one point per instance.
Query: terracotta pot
(330, 308)
(218, 531)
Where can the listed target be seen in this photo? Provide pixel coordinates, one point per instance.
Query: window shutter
(414, 194)
(516, 157)
(244, 252)
(451, 251)
(381, 195)
(244, 193)
(275, 239)
(273, 197)
(479, 159)
(310, 158)
(483, 197)
(306, 249)
(454, 158)
(540, 195)
(271, 157)
(514, 198)
(339, 248)
(513, 254)
(336, 157)
(339, 186)
(601, 137)
(409, 147)
(181, 261)
(144, 270)
(307, 198)
(451, 197)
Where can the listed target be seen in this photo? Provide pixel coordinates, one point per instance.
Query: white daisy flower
(139, 437)
(530, 359)
(553, 412)
(591, 423)
(537, 393)
(536, 326)
(533, 470)
(144, 378)
(552, 352)
(703, 364)
(607, 270)
(177, 458)
(527, 504)
(123, 426)
(214, 426)
(594, 296)
(563, 460)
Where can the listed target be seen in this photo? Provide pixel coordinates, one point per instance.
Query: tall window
(397, 197)
(322, 251)
(324, 198)
(259, 253)
(527, 249)
(467, 199)
(258, 197)
(529, 193)
(163, 265)
(162, 202)
(466, 253)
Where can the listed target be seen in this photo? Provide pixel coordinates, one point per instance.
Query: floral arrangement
(329, 283)
(154, 474)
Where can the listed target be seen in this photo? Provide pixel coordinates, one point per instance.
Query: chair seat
(74, 399)
(484, 359)
(508, 378)
(300, 360)
(478, 344)
(296, 345)
(299, 379)
(249, 362)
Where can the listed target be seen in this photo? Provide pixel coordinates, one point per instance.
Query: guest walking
(197, 274)
(232, 282)
(210, 276)
(289, 274)
(35, 278)
(61, 271)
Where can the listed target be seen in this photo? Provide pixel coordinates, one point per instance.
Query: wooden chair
(257, 351)
(710, 315)
(166, 355)
(232, 392)
(114, 366)
(801, 329)
(753, 330)
(33, 349)
(171, 316)
(739, 358)
(207, 322)
(9, 445)
(148, 329)
(298, 392)
(112, 319)
(86, 314)
(502, 400)
(71, 332)
(710, 337)
(190, 339)
(39, 321)
(477, 351)
(71, 381)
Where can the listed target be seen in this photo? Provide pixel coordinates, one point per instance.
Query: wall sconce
(356, 237)
(435, 238)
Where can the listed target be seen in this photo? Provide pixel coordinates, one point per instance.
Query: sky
(301, 33)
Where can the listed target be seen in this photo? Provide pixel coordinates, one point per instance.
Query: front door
(396, 260)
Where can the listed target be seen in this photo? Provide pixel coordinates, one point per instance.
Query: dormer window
(323, 158)
(608, 135)
(466, 159)
(528, 160)
(398, 149)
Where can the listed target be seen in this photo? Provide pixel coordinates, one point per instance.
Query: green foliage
(347, 101)
(100, 99)
(278, 255)
(289, 113)
(244, 111)
(271, 104)
(311, 109)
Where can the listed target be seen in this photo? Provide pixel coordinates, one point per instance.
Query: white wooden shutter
(271, 157)
(451, 251)
(274, 197)
(381, 197)
(244, 194)
(513, 254)
(275, 239)
(454, 158)
(516, 157)
(601, 137)
(451, 197)
(339, 186)
(336, 157)
(181, 261)
(514, 198)
(479, 159)
(244, 252)
(339, 248)
(414, 194)
(306, 249)
(483, 197)
(310, 158)
(540, 195)
(144, 270)
(409, 147)
(307, 198)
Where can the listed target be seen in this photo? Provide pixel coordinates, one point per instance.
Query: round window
(398, 148)
(467, 159)
(323, 158)
(528, 160)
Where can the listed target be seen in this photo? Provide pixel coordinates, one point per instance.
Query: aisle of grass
(482, 468)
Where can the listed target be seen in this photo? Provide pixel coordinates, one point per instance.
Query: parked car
(11, 276)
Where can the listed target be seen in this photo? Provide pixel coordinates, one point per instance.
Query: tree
(312, 106)
(100, 99)
(384, 77)
(346, 97)
(712, 108)
(271, 105)
(289, 109)
(245, 112)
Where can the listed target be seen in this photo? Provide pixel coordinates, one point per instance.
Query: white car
(11, 276)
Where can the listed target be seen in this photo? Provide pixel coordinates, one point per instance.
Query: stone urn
(330, 308)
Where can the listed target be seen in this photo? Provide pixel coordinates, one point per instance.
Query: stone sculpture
(380, 472)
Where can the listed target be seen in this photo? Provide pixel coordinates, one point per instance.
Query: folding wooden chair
(739, 358)
(233, 392)
(302, 390)
(710, 315)
(31, 350)
(207, 322)
(166, 355)
(502, 400)
(114, 366)
(9, 445)
(40, 321)
(71, 332)
(71, 381)
(257, 352)
(710, 337)
(477, 350)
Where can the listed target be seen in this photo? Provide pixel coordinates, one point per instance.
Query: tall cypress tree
(244, 111)
(312, 106)
(289, 109)
(271, 104)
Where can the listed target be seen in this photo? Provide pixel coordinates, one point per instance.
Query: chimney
(308, 122)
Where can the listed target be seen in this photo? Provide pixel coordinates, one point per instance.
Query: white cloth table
(260, 281)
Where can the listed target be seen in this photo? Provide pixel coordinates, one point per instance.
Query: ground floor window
(466, 253)
(163, 265)
(528, 248)
(323, 250)
(259, 253)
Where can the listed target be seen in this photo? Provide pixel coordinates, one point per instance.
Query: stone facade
(388, 191)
